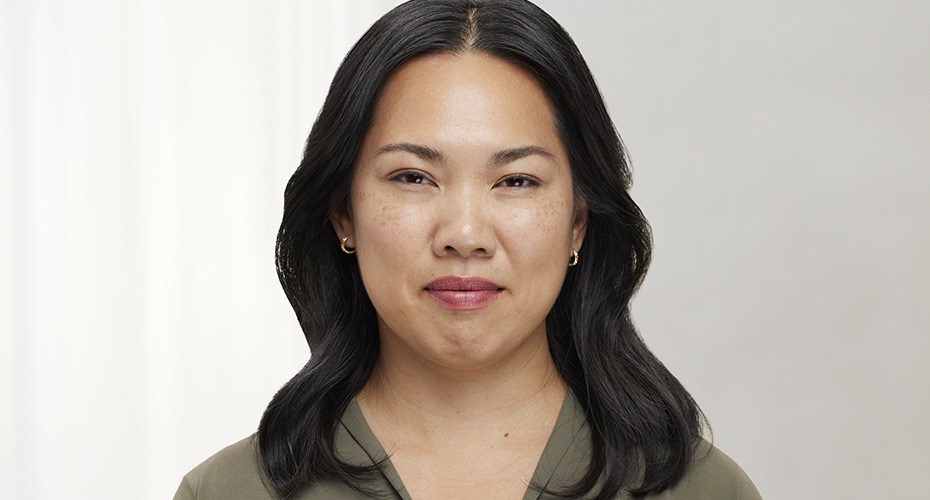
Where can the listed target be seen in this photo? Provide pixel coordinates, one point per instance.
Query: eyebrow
(422, 152)
(512, 155)
(497, 159)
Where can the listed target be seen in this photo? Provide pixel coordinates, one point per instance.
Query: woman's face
(462, 212)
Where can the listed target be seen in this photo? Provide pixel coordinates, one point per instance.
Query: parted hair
(644, 424)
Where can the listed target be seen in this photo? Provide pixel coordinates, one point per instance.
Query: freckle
(506, 434)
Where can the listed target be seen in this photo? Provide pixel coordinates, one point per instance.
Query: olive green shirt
(236, 472)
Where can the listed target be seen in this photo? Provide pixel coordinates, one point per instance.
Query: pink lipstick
(461, 293)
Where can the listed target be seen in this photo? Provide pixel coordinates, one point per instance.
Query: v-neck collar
(563, 460)
(566, 454)
(354, 422)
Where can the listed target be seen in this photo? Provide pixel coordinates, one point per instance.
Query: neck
(427, 397)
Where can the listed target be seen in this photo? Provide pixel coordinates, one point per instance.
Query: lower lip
(459, 300)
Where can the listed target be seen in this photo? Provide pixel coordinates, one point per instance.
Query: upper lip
(461, 284)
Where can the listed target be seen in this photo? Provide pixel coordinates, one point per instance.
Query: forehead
(470, 91)
(438, 67)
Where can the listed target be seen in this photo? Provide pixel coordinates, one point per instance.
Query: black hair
(644, 424)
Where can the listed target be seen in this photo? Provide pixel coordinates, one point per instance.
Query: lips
(462, 293)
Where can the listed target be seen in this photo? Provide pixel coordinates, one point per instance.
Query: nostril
(475, 250)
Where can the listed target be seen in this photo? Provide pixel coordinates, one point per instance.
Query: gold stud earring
(346, 249)
(574, 258)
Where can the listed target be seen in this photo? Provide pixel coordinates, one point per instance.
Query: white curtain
(780, 151)
(146, 145)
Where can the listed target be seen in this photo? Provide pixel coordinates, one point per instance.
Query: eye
(411, 177)
(518, 181)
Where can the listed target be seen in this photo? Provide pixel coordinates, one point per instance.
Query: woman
(463, 344)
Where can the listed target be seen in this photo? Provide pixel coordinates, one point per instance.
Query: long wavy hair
(644, 424)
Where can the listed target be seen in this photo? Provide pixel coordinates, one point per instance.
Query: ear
(580, 224)
(340, 215)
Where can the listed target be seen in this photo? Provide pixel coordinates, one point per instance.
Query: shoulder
(234, 472)
(712, 475)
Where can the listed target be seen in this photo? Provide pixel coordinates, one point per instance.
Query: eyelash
(406, 177)
(525, 180)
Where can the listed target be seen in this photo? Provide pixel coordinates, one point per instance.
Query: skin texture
(462, 174)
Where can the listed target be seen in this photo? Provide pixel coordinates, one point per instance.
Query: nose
(465, 227)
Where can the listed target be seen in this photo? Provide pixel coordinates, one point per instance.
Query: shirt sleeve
(712, 476)
(187, 490)
(232, 474)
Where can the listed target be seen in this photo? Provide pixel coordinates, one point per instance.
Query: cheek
(381, 250)
(388, 235)
(540, 230)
